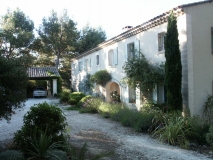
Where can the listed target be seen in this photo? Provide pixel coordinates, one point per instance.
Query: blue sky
(111, 15)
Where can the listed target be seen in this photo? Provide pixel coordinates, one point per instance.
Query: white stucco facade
(194, 27)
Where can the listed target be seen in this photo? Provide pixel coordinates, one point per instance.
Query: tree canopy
(13, 83)
(57, 36)
(173, 67)
(90, 38)
(16, 34)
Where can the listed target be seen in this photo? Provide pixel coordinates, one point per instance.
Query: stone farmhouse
(195, 28)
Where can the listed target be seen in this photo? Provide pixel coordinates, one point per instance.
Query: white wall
(195, 45)
(200, 66)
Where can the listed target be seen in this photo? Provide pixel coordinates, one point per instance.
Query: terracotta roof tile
(160, 19)
(39, 72)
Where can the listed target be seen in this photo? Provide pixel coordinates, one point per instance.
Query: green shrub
(84, 100)
(127, 117)
(208, 110)
(175, 132)
(115, 109)
(199, 128)
(64, 96)
(77, 96)
(12, 155)
(72, 101)
(59, 154)
(161, 119)
(42, 147)
(140, 121)
(143, 121)
(105, 109)
(91, 105)
(101, 77)
(209, 136)
(41, 118)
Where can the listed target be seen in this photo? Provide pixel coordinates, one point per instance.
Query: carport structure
(44, 73)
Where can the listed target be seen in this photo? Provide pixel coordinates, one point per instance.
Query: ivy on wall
(140, 71)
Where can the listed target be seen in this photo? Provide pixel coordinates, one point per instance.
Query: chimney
(126, 28)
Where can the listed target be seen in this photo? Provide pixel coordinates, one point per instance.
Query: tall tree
(173, 67)
(57, 35)
(90, 37)
(13, 84)
(16, 34)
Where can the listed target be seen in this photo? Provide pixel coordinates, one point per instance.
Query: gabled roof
(42, 72)
(144, 26)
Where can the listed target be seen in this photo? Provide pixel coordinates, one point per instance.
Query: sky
(111, 15)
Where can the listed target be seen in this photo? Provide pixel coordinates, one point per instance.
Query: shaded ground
(104, 136)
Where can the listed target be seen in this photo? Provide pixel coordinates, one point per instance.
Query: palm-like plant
(43, 147)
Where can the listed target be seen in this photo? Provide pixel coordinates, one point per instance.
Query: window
(160, 92)
(110, 58)
(130, 51)
(87, 64)
(80, 66)
(212, 38)
(97, 59)
(113, 57)
(161, 38)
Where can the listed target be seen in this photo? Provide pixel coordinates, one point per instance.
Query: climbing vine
(140, 71)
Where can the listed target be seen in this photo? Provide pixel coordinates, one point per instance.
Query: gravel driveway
(104, 135)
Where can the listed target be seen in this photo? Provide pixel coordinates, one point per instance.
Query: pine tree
(173, 67)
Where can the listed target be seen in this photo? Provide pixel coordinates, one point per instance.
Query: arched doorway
(112, 87)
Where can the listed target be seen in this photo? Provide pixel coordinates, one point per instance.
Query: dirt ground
(106, 137)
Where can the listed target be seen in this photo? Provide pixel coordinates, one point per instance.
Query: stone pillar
(54, 86)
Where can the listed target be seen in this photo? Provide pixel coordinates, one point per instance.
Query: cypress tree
(173, 67)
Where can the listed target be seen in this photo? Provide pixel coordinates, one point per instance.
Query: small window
(130, 51)
(97, 59)
(80, 66)
(161, 94)
(87, 64)
(161, 38)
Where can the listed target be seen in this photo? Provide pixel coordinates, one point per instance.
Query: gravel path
(104, 135)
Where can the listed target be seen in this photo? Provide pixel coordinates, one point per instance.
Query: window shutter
(137, 47)
(97, 59)
(115, 56)
(159, 42)
(90, 65)
(154, 94)
(108, 54)
(126, 52)
(212, 38)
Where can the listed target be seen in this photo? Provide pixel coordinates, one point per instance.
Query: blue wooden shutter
(212, 38)
(115, 56)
